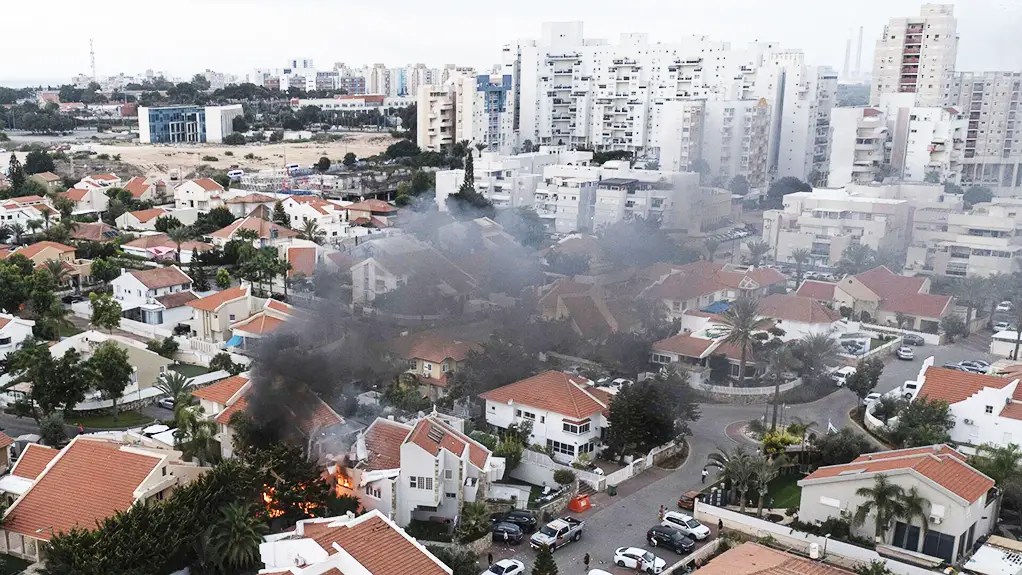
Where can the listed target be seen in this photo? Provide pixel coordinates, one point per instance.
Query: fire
(342, 483)
(271, 510)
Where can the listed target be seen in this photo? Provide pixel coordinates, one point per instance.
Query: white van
(235, 174)
(292, 168)
(841, 376)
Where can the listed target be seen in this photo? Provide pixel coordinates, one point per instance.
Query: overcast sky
(188, 36)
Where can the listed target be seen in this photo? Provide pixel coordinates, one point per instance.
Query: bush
(166, 347)
(210, 159)
(103, 157)
(228, 153)
(234, 139)
(564, 477)
(250, 156)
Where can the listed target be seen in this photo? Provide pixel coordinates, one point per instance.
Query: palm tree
(817, 353)
(742, 321)
(233, 540)
(915, 505)
(710, 246)
(34, 226)
(738, 468)
(884, 499)
(766, 471)
(998, 463)
(800, 256)
(179, 235)
(969, 291)
(475, 517)
(201, 442)
(57, 270)
(246, 234)
(801, 429)
(312, 232)
(17, 229)
(757, 250)
(5, 233)
(175, 386)
(780, 361)
(855, 259)
(56, 315)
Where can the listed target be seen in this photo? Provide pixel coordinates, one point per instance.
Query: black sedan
(670, 538)
(523, 519)
(507, 533)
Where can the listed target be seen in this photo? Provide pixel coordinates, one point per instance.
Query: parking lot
(898, 371)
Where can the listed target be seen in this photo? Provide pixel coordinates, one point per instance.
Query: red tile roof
(684, 344)
(221, 391)
(177, 299)
(89, 481)
(252, 199)
(383, 444)
(321, 417)
(258, 225)
(240, 404)
(377, 545)
(795, 308)
(30, 199)
(903, 294)
(47, 177)
(943, 468)
(816, 290)
(429, 428)
(5, 440)
(209, 184)
(76, 194)
(94, 231)
(553, 391)
(156, 278)
(372, 205)
(755, 559)
(105, 177)
(36, 248)
(952, 386)
(146, 215)
(302, 260)
(316, 203)
(562, 286)
(214, 301)
(33, 460)
(432, 346)
(259, 323)
(938, 449)
(137, 186)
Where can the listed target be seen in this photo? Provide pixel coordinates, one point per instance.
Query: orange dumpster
(580, 503)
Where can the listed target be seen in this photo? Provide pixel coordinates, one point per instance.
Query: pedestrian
(705, 473)
(489, 559)
(720, 525)
(586, 561)
(660, 515)
(81, 429)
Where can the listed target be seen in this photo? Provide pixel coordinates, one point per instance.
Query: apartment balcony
(909, 70)
(568, 56)
(913, 50)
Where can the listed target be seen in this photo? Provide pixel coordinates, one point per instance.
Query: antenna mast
(92, 59)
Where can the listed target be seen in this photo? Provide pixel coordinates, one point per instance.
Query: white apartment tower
(804, 134)
(858, 148)
(915, 55)
(681, 134)
(736, 138)
(436, 116)
(993, 144)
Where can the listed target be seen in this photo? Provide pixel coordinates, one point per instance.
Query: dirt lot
(158, 160)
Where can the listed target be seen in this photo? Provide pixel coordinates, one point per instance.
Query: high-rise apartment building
(807, 98)
(736, 140)
(681, 134)
(915, 55)
(993, 143)
(858, 149)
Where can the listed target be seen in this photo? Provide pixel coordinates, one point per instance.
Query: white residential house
(145, 220)
(330, 216)
(213, 315)
(267, 233)
(204, 194)
(13, 332)
(100, 181)
(986, 408)
(567, 414)
(88, 199)
(242, 205)
(155, 296)
(147, 366)
(146, 189)
(960, 503)
(248, 331)
(13, 213)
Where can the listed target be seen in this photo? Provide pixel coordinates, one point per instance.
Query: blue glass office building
(173, 125)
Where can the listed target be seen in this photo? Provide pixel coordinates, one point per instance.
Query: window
(232, 317)
(518, 413)
(558, 447)
(427, 366)
(576, 428)
(528, 415)
(371, 492)
(444, 368)
(451, 495)
(990, 409)
(421, 483)
(448, 474)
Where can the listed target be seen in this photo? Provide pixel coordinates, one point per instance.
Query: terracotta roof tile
(104, 177)
(684, 344)
(302, 260)
(383, 444)
(904, 294)
(816, 290)
(94, 232)
(432, 346)
(209, 184)
(156, 278)
(259, 323)
(137, 186)
(322, 416)
(755, 559)
(214, 301)
(553, 391)
(372, 205)
(33, 199)
(34, 249)
(89, 481)
(795, 308)
(428, 428)
(258, 225)
(938, 449)
(147, 215)
(239, 404)
(76, 194)
(221, 391)
(177, 299)
(943, 468)
(33, 460)
(251, 199)
(378, 546)
(5, 440)
(952, 386)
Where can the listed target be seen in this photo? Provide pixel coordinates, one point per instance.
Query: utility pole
(92, 59)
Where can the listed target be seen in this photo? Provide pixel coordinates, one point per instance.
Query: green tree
(56, 315)
(350, 159)
(323, 164)
(782, 187)
(233, 540)
(953, 326)
(197, 271)
(757, 251)
(977, 195)
(645, 415)
(222, 362)
(223, 279)
(564, 477)
(914, 505)
(65, 206)
(766, 469)
(239, 124)
(817, 353)
(179, 236)
(402, 149)
(461, 560)
(106, 312)
(856, 258)
(103, 270)
(58, 384)
(524, 224)
(544, 564)
(800, 256)
(175, 386)
(866, 376)
(931, 178)
(474, 521)
(884, 500)
(875, 567)
(166, 223)
(970, 292)
(312, 232)
(110, 371)
(923, 422)
(280, 216)
(997, 462)
(165, 347)
(38, 161)
(843, 446)
(15, 174)
(742, 321)
(739, 185)
(52, 431)
(737, 468)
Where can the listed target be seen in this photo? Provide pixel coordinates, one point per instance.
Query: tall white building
(479, 109)
(859, 146)
(807, 98)
(993, 140)
(736, 140)
(915, 55)
(435, 116)
(681, 134)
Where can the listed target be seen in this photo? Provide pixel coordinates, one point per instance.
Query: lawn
(188, 370)
(10, 565)
(785, 491)
(106, 420)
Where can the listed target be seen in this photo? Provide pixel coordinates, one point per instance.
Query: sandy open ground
(159, 160)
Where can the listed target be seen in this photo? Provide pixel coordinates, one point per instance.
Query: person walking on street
(720, 526)
(705, 473)
(586, 561)
(489, 559)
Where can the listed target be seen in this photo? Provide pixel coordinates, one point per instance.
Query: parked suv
(669, 538)
(523, 519)
(686, 524)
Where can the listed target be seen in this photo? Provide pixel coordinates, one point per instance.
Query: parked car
(905, 352)
(688, 500)
(575, 370)
(686, 524)
(954, 366)
(840, 376)
(638, 559)
(166, 403)
(909, 390)
(872, 397)
(1003, 326)
(913, 339)
(558, 533)
(1003, 306)
(507, 533)
(670, 538)
(975, 365)
(73, 298)
(506, 567)
(523, 519)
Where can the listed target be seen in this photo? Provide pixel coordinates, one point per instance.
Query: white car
(166, 403)
(841, 376)
(1003, 306)
(598, 572)
(506, 567)
(905, 352)
(1003, 326)
(686, 524)
(638, 559)
(872, 397)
